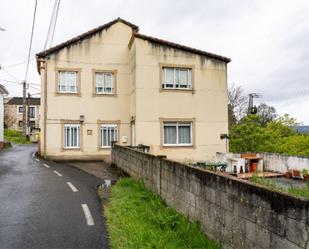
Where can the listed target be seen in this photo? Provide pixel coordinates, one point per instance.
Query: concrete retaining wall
(239, 214)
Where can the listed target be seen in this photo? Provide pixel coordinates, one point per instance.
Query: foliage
(15, 137)
(277, 136)
(296, 191)
(305, 172)
(266, 113)
(137, 218)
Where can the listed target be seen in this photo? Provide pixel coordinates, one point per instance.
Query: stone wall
(235, 212)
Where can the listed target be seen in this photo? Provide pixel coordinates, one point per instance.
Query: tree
(266, 113)
(237, 104)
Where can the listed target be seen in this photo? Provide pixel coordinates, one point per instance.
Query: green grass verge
(137, 218)
(296, 191)
(14, 136)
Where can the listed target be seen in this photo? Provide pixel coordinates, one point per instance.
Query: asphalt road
(38, 208)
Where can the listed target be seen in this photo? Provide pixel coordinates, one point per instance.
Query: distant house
(13, 117)
(113, 83)
(3, 92)
(302, 129)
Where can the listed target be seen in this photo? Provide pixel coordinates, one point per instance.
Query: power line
(18, 63)
(18, 82)
(8, 73)
(55, 24)
(31, 39)
(52, 24)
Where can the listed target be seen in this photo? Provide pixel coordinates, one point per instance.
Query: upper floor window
(32, 111)
(67, 82)
(177, 78)
(20, 109)
(104, 83)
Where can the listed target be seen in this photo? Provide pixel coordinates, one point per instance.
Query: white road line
(46, 166)
(72, 187)
(37, 160)
(57, 173)
(88, 215)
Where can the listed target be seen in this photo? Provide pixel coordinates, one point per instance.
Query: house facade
(3, 92)
(114, 84)
(13, 113)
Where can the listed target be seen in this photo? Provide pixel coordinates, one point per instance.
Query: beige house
(113, 83)
(13, 113)
(3, 92)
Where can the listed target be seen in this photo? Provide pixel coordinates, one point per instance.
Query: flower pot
(296, 173)
(288, 174)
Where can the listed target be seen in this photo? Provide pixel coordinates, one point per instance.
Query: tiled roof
(83, 36)
(135, 34)
(181, 47)
(19, 101)
(3, 90)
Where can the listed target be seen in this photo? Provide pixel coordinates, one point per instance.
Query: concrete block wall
(235, 212)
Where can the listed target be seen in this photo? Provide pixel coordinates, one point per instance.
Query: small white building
(3, 92)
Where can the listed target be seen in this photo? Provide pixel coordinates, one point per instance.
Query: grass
(296, 191)
(137, 218)
(15, 137)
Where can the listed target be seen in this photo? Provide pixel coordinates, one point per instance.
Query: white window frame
(176, 85)
(108, 126)
(71, 127)
(177, 125)
(67, 85)
(104, 86)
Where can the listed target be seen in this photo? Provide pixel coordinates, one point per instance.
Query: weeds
(137, 218)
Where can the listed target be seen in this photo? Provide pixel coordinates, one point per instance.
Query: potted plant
(296, 173)
(305, 174)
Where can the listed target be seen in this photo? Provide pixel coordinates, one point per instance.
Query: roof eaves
(3, 90)
(181, 47)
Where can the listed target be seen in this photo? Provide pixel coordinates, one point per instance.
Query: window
(177, 78)
(67, 82)
(32, 112)
(104, 83)
(20, 109)
(32, 124)
(71, 136)
(20, 123)
(177, 133)
(108, 134)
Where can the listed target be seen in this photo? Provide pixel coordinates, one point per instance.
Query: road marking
(72, 187)
(88, 215)
(46, 166)
(37, 160)
(57, 173)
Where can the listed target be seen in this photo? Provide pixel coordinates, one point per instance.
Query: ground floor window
(177, 133)
(71, 136)
(108, 135)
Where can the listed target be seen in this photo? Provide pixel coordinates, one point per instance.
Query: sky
(267, 40)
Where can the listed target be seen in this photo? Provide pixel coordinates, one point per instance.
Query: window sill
(68, 94)
(105, 148)
(177, 146)
(68, 149)
(104, 95)
(176, 90)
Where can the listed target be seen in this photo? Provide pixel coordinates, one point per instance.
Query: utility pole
(24, 109)
(28, 116)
